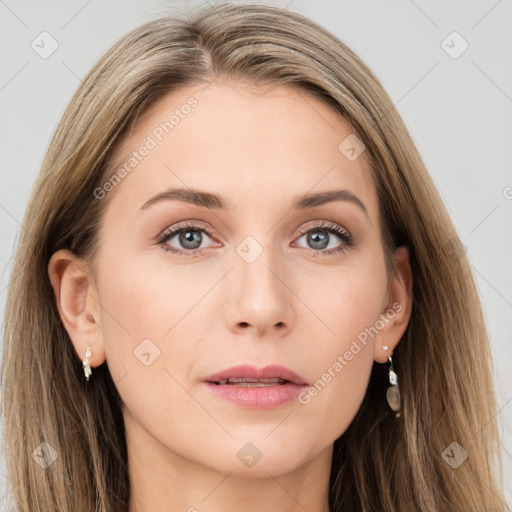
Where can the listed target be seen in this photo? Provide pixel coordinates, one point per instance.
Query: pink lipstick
(256, 388)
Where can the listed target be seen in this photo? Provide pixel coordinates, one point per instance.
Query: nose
(260, 297)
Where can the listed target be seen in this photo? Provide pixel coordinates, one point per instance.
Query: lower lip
(267, 397)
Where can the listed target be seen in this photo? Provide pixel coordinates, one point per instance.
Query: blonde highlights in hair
(443, 360)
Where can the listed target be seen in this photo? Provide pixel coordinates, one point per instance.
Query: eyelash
(320, 226)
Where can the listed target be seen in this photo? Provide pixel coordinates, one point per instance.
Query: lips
(252, 376)
(251, 387)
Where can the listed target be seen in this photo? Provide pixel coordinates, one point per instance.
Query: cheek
(349, 306)
(148, 320)
(142, 299)
(153, 319)
(136, 313)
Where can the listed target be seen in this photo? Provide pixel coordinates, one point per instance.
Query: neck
(162, 480)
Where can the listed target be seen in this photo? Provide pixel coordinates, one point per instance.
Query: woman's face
(252, 280)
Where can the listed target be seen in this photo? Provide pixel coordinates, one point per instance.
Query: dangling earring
(393, 392)
(86, 365)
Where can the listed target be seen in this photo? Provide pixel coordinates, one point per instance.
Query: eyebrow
(214, 201)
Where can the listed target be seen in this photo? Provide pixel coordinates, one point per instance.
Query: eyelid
(325, 224)
(331, 227)
(192, 223)
(334, 228)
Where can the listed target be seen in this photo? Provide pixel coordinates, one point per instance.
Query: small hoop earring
(393, 392)
(86, 365)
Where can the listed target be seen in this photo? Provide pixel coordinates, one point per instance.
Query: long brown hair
(381, 463)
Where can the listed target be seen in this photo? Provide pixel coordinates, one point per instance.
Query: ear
(77, 302)
(397, 311)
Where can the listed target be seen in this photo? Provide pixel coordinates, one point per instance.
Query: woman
(238, 288)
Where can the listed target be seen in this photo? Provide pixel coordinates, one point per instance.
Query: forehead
(242, 142)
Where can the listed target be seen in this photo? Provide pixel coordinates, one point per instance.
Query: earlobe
(397, 312)
(77, 303)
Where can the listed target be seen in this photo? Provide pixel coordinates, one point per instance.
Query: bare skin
(295, 305)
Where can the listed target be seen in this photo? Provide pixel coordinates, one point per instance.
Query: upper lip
(253, 372)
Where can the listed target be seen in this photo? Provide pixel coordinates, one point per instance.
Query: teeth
(242, 381)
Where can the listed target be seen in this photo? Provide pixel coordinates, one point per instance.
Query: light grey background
(458, 110)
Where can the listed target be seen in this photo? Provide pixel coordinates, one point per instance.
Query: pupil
(318, 241)
(190, 239)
